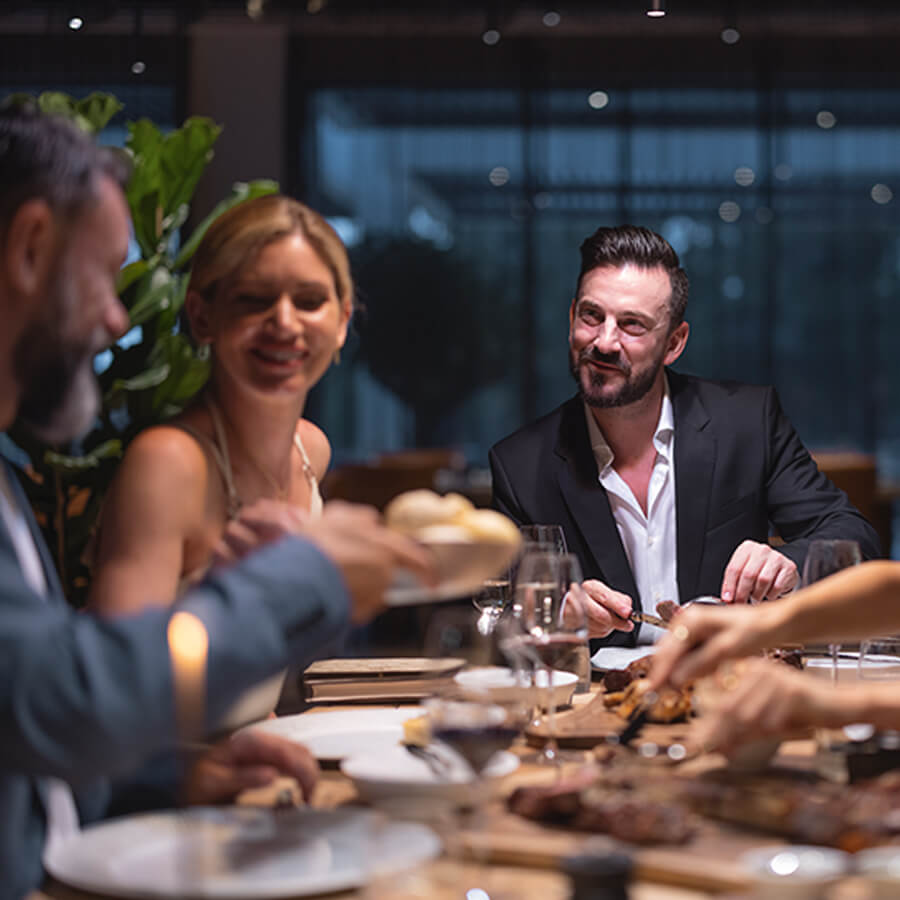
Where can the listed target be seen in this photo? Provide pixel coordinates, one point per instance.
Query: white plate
(233, 852)
(392, 775)
(462, 569)
(500, 684)
(607, 658)
(334, 735)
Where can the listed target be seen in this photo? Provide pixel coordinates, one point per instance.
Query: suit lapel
(587, 501)
(695, 457)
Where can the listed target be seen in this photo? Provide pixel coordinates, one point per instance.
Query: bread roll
(427, 516)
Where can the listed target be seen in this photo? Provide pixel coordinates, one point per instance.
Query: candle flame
(188, 640)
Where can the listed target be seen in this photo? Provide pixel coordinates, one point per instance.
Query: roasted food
(671, 705)
(666, 610)
(792, 656)
(584, 802)
(619, 679)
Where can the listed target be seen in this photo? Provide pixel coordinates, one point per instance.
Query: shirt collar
(662, 436)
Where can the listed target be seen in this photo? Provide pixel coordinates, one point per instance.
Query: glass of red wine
(548, 633)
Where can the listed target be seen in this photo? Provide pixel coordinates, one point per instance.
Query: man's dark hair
(643, 248)
(49, 158)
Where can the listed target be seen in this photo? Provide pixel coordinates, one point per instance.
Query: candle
(188, 647)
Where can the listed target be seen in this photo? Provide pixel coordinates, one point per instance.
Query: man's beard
(632, 388)
(60, 397)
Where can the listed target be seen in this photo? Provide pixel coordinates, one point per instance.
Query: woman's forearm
(859, 602)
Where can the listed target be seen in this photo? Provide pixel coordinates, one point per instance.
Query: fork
(439, 766)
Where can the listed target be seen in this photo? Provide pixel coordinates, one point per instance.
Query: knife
(637, 721)
(648, 618)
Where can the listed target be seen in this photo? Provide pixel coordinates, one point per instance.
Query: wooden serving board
(709, 862)
(591, 723)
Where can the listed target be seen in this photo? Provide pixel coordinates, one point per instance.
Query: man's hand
(353, 537)
(250, 759)
(769, 700)
(607, 610)
(757, 572)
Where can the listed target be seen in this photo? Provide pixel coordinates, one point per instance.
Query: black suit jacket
(739, 469)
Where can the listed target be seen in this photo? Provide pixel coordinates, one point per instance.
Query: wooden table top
(714, 850)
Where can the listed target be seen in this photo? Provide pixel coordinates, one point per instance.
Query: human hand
(700, 638)
(756, 572)
(607, 610)
(768, 699)
(250, 759)
(352, 536)
(259, 523)
(368, 554)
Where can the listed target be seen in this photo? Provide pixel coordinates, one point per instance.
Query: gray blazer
(86, 699)
(740, 469)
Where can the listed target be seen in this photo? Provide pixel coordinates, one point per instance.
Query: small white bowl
(396, 780)
(795, 871)
(502, 686)
(881, 869)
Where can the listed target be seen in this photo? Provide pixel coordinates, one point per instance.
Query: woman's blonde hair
(239, 234)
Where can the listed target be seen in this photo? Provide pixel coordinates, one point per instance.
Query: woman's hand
(700, 638)
(770, 699)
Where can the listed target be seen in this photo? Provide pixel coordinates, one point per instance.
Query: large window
(780, 201)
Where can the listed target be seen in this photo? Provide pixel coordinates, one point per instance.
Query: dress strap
(315, 497)
(220, 454)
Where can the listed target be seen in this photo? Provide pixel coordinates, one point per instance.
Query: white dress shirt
(62, 815)
(649, 540)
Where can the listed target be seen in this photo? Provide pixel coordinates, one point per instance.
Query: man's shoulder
(714, 393)
(539, 432)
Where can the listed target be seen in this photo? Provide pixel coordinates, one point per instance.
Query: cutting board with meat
(594, 722)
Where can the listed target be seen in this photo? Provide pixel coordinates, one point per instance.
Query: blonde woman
(271, 295)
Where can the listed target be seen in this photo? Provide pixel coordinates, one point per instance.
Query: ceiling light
(76, 23)
(598, 99)
(730, 35)
(491, 37)
(551, 18)
(825, 118)
(657, 9)
(138, 67)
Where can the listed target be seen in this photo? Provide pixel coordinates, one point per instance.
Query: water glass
(824, 558)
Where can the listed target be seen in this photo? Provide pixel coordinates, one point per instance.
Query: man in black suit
(666, 485)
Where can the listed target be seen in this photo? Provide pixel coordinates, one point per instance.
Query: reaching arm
(855, 603)
(84, 696)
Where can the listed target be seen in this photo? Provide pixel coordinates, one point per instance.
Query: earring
(336, 359)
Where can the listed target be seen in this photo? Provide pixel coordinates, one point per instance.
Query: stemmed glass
(824, 558)
(491, 601)
(551, 535)
(473, 720)
(549, 629)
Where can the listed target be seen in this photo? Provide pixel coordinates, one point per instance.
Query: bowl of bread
(469, 545)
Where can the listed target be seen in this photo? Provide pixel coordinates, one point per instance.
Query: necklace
(219, 419)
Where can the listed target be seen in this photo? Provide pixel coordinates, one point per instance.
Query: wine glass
(545, 534)
(824, 558)
(491, 601)
(472, 718)
(549, 628)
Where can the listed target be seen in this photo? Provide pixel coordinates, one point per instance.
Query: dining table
(497, 851)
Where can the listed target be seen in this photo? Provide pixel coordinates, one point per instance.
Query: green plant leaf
(185, 153)
(145, 142)
(62, 462)
(97, 109)
(156, 298)
(240, 192)
(130, 274)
